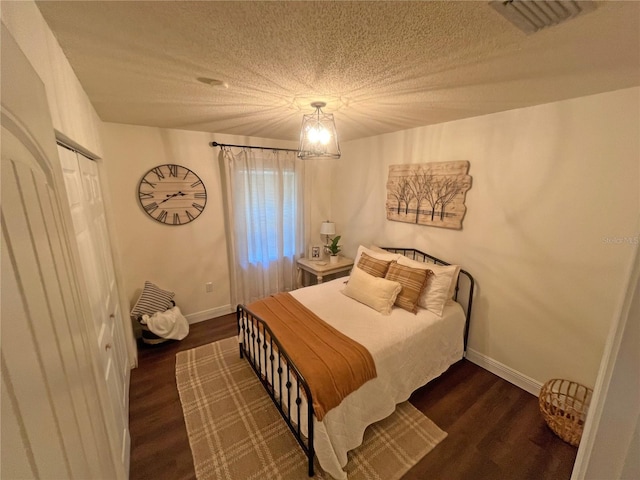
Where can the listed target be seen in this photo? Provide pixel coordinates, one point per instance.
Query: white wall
(546, 235)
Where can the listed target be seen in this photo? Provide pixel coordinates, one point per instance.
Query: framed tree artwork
(430, 194)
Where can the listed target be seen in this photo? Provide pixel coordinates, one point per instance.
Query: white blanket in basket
(169, 324)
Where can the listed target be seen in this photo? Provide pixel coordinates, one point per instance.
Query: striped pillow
(152, 299)
(373, 266)
(413, 281)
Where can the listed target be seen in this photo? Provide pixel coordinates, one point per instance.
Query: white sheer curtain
(265, 218)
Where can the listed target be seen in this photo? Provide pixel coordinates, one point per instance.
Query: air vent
(533, 15)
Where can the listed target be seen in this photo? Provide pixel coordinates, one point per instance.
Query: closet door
(89, 222)
(54, 421)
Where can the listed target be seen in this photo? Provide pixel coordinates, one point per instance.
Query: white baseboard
(209, 314)
(510, 375)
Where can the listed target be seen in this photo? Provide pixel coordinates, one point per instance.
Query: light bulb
(325, 136)
(313, 135)
(318, 135)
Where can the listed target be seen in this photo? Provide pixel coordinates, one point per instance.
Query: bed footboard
(279, 376)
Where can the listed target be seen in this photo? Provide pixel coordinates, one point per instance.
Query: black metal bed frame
(269, 359)
(257, 343)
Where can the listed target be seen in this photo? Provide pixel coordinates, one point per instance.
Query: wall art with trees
(428, 193)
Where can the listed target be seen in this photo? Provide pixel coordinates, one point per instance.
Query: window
(270, 208)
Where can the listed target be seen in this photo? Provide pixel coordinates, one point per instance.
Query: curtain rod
(216, 144)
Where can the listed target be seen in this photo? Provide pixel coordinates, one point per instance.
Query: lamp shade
(318, 135)
(328, 228)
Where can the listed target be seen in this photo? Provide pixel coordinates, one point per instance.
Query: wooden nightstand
(322, 268)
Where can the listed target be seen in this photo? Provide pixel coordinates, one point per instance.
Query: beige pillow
(441, 286)
(377, 293)
(373, 266)
(413, 281)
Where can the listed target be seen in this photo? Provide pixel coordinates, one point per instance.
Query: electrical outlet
(208, 287)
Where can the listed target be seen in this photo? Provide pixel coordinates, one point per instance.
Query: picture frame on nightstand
(315, 252)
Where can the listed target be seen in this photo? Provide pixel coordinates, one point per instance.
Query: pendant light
(318, 136)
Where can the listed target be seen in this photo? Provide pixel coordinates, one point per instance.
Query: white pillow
(440, 287)
(378, 249)
(387, 256)
(375, 292)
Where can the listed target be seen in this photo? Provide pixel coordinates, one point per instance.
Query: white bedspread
(409, 350)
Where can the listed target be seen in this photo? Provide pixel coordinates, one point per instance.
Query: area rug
(236, 433)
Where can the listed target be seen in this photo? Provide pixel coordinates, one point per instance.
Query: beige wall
(551, 185)
(71, 112)
(177, 258)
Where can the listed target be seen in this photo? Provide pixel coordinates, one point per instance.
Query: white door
(89, 221)
(54, 421)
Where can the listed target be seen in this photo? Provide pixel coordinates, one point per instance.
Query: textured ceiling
(380, 66)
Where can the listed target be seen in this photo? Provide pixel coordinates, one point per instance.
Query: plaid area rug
(236, 433)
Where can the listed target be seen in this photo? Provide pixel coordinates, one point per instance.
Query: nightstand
(322, 268)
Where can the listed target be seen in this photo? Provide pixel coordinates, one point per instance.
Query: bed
(408, 349)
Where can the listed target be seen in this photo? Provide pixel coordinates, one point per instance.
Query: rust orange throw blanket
(333, 364)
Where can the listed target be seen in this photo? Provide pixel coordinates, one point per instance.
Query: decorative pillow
(387, 256)
(152, 299)
(373, 266)
(375, 292)
(440, 288)
(413, 281)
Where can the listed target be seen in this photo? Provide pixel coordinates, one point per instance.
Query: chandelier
(318, 136)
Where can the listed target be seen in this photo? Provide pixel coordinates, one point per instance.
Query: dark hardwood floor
(495, 430)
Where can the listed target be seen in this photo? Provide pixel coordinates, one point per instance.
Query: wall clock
(172, 194)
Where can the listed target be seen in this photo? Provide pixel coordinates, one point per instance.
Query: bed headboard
(464, 286)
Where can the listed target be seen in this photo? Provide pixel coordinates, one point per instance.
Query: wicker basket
(564, 405)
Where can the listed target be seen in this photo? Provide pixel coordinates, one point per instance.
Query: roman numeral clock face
(172, 194)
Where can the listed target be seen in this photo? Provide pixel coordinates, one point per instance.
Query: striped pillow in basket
(152, 299)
